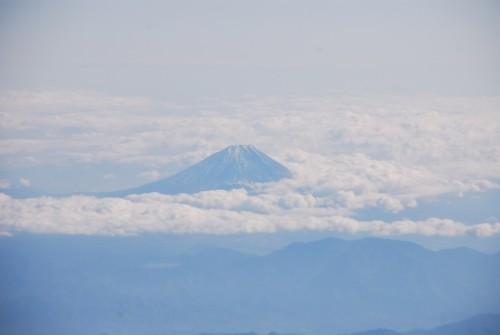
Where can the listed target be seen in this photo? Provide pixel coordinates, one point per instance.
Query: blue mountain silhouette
(237, 166)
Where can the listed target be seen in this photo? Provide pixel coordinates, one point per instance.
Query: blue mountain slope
(378, 332)
(23, 192)
(236, 166)
(488, 324)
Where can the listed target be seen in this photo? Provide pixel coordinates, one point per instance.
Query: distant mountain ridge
(484, 324)
(133, 286)
(250, 333)
(236, 166)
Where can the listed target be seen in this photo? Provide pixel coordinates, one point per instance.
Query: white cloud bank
(211, 212)
(452, 136)
(346, 154)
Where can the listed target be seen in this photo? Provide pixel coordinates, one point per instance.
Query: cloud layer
(456, 138)
(346, 154)
(212, 212)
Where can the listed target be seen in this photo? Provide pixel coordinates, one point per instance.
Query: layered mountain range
(89, 285)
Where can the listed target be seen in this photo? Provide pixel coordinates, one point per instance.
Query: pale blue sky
(191, 49)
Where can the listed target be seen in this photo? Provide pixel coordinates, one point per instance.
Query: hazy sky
(191, 49)
(371, 104)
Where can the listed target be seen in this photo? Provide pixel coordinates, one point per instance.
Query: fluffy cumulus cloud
(24, 181)
(346, 154)
(212, 212)
(74, 127)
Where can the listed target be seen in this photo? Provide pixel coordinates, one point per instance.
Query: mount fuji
(236, 166)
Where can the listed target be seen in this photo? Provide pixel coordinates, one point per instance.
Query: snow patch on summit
(237, 166)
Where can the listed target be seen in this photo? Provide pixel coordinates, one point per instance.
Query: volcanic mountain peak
(236, 166)
(243, 163)
(239, 152)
